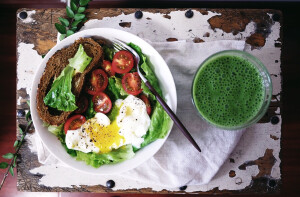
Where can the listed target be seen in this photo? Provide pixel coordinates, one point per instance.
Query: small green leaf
(62, 36)
(3, 165)
(64, 21)
(75, 23)
(70, 32)
(74, 29)
(22, 138)
(11, 170)
(8, 156)
(60, 28)
(14, 163)
(70, 13)
(27, 116)
(21, 130)
(29, 122)
(85, 19)
(84, 2)
(73, 6)
(79, 17)
(81, 9)
(28, 103)
(16, 143)
(43, 56)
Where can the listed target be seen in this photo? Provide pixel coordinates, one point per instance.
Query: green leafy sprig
(17, 145)
(76, 16)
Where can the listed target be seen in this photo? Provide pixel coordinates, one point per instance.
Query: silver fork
(120, 45)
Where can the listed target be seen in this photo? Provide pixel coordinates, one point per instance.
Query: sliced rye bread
(54, 67)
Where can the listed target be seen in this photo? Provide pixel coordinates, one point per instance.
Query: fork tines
(118, 45)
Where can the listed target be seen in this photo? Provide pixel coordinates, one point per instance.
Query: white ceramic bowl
(166, 83)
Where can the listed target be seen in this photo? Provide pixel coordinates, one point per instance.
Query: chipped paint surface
(28, 62)
(29, 18)
(19, 100)
(160, 28)
(156, 27)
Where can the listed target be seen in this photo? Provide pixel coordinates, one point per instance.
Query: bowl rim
(169, 92)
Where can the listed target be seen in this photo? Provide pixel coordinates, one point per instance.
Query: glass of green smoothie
(232, 90)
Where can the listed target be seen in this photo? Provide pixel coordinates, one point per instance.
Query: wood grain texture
(290, 73)
(43, 35)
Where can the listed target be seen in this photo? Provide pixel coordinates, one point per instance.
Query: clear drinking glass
(267, 85)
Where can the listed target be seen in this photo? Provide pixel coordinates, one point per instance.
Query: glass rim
(268, 90)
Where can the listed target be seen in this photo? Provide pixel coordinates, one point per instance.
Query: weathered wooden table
(254, 166)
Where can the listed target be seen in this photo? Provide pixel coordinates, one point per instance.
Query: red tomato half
(131, 83)
(74, 123)
(98, 82)
(102, 103)
(122, 62)
(106, 65)
(82, 105)
(146, 101)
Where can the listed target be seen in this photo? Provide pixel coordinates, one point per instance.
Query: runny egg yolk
(104, 137)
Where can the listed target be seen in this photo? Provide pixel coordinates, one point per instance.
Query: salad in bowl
(92, 110)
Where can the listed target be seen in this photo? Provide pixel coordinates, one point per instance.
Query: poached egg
(100, 135)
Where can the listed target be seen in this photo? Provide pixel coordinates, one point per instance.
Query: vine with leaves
(76, 17)
(17, 145)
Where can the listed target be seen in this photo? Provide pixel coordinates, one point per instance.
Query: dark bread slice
(101, 42)
(54, 67)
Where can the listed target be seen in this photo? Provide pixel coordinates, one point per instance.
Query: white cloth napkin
(178, 163)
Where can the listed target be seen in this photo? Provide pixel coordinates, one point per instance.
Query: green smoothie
(228, 91)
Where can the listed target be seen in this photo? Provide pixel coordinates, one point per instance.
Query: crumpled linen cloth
(178, 163)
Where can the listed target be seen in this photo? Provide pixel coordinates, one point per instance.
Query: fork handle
(173, 116)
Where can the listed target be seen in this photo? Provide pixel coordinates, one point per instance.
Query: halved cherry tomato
(102, 103)
(122, 62)
(98, 82)
(146, 101)
(106, 65)
(82, 105)
(131, 83)
(74, 123)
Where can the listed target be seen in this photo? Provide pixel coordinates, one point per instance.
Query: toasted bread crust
(54, 67)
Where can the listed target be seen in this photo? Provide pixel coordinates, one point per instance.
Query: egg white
(133, 120)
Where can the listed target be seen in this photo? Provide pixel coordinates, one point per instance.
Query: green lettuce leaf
(60, 95)
(149, 74)
(53, 128)
(115, 156)
(159, 126)
(80, 61)
(148, 93)
(90, 112)
(108, 52)
(112, 115)
(116, 89)
(56, 129)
